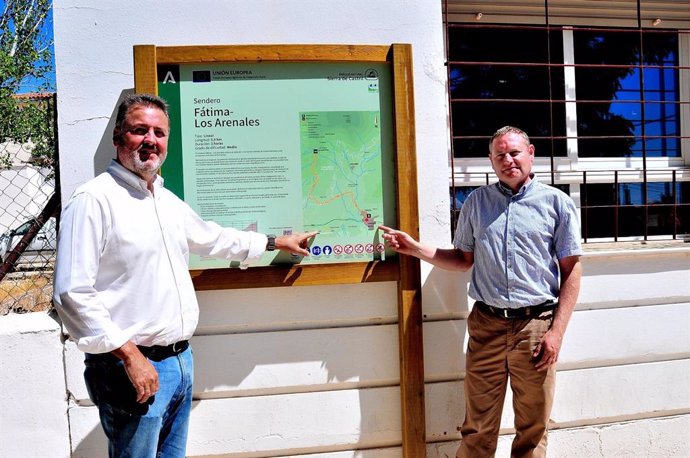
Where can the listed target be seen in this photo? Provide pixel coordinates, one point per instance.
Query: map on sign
(341, 175)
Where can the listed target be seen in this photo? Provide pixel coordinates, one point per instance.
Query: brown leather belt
(522, 312)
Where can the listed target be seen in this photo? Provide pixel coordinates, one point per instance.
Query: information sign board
(246, 118)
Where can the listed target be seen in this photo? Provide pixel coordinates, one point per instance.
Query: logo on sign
(201, 76)
(371, 74)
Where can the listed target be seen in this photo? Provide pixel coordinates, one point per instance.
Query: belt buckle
(175, 349)
(505, 313)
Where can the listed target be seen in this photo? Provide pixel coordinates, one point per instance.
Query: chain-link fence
(30, 203)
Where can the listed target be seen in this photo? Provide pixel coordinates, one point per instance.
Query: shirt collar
(130, 178)
(509, 192)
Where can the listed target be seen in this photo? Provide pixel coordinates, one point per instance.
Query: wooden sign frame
(402, 269)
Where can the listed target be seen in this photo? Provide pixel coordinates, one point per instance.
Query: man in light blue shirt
(522, 239)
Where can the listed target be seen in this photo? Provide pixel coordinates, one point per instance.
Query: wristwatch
(271, 244)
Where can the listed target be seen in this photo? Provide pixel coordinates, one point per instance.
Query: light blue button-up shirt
(517, 240)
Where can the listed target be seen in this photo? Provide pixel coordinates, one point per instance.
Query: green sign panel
(285, 147)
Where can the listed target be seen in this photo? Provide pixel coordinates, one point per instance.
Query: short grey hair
(508, 130)
(136, 100)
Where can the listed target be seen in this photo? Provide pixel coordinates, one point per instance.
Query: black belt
(160, 352)
(522, 312)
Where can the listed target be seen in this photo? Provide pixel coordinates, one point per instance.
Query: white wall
(33, 414)
(273, 378)
(301, 370)
(304, 369)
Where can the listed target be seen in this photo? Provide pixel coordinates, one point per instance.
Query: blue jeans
(157, 429)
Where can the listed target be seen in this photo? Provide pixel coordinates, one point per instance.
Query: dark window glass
(683, 210)
(480, 147)
(662, 214)
(563, 187)
(517, 44)
(608, 211)
(457, 199)
(461, 193)
(504, 82)
(471, 119)
(490, 87)
(620, 114)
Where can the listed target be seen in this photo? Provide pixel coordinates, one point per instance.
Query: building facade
(313, 371)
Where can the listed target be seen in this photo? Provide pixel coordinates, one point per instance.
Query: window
(490, 88)
(621, 110)
(604, 107)
(618, 210)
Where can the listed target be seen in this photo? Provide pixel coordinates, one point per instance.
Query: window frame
(572, 169)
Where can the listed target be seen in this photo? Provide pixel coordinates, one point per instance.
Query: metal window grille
(645, 197)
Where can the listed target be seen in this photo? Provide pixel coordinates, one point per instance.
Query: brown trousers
(499, 350)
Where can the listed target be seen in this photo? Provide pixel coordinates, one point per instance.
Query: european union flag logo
(201, 76)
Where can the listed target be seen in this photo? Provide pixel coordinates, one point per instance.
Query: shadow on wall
(446, 307)
(93, 445)
(445, 294)
(105, 151)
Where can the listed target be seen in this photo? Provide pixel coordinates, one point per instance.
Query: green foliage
(25, 55)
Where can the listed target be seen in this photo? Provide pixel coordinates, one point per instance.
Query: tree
(25, 54)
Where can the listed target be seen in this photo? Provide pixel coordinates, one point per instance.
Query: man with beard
(123, 289)
(522, 239)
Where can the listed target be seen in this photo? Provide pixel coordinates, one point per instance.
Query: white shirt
(122, 262)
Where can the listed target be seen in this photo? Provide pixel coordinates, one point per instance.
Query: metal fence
(30, 203)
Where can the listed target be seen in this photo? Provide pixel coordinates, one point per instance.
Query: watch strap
(271, 243)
